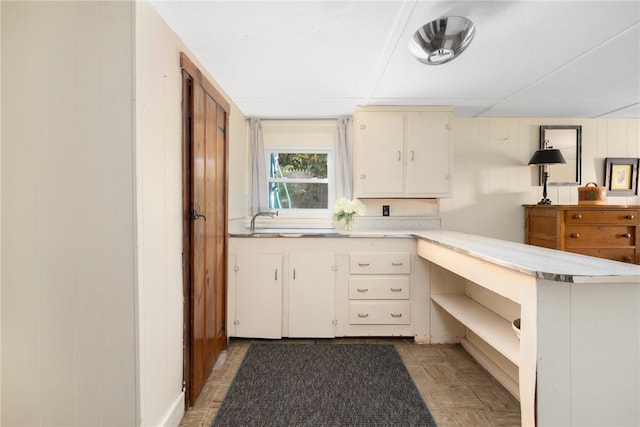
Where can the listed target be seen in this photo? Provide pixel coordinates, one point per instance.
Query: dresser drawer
(380, 263)
(615, 254)
(601, 217)
(378, 288)
(599, 235)
(379, 313)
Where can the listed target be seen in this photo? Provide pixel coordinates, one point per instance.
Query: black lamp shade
(547, 157)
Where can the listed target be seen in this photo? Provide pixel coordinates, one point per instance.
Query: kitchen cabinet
(327, 281)
(402, 153)
(311, 302)
(379, 289)
(608, 231)
(258, 296)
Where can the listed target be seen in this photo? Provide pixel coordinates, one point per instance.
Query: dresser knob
(626, 235)
(577, 216)
(630, 217)
(575, 235)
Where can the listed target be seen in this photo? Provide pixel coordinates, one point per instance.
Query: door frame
(190, 75)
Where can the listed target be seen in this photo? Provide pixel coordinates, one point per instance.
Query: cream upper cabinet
(402, 152)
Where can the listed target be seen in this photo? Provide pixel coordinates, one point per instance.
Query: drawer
(601, 217)
(379, 313)
(379, 288)
(599, 235)
(615, 254)
(380, 263)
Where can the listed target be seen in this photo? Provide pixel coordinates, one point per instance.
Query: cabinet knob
(396, 289)
(577, 216)
(396, 316)
(575, 235)
(626, 235)
(363, 264)
(396, 264)
(630, 217)
(363, 290)
(363, 316)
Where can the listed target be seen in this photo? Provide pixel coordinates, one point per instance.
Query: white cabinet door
(258, 296)
(311, 296)
(402, 153)
(380, 154)
(428, 155)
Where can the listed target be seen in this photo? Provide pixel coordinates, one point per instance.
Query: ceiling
(322, 58)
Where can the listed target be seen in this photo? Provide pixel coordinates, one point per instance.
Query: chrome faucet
(266, 213)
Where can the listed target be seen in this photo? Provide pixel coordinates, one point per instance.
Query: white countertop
(540, 262)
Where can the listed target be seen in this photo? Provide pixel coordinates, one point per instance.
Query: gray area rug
(323, 385)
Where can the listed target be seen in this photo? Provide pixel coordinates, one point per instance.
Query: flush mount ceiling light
(442, 40)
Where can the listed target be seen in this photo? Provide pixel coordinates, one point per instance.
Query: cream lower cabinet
(323, 288)
(258, 296)
(311, 302)
(279, 287)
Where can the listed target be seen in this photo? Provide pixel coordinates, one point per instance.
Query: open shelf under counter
(492, 328)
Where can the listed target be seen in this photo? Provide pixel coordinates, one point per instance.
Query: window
(299, 180)
(299, 156)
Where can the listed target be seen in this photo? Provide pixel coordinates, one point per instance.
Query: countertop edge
(542, 263)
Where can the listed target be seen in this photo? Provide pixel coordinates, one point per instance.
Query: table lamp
(545, 157)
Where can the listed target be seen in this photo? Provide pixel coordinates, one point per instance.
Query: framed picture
(621, 176)
(567, 139)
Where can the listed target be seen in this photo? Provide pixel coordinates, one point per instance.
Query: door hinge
(447, 126)
(334, 322)
(334, 268)
(236, 322)
(236, 268)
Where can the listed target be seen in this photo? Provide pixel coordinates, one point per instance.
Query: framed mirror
(567, 139)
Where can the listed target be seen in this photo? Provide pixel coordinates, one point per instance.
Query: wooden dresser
(604, 231)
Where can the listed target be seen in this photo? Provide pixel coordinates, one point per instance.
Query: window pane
(298, 165)
(298, 180)
(298, 195)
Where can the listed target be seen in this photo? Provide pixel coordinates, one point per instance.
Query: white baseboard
(175, 412)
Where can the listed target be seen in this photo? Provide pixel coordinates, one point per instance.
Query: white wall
(92, 301)
(159, 213)
(68, 277)
(492, 180)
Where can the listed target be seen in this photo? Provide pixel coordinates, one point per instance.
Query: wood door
(204, 228)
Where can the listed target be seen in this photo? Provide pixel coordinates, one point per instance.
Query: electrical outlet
(385, 210)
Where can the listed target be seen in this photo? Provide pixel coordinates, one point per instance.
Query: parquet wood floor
(457, 390)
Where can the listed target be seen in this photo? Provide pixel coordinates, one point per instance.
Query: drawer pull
(396, 316)
(363, 290)
(575, 235)
(396, 289)
(627, 259)
(626, 236)
(363, 264)
(397, 264)
(577, 216)
(363, 316)
(630, 217)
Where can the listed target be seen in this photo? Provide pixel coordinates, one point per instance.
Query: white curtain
(259, 201)
(344, 187)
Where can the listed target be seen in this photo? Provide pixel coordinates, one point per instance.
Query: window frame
(330, 180)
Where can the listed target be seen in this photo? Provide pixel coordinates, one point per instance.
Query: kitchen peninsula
(577, 358)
